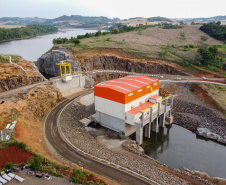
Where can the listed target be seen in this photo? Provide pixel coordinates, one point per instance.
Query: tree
(204, 38)
(182, 35)
(98, 33)
(76, 41)
(9, 165)
(208, 55)
(115, 31)
(36, 163)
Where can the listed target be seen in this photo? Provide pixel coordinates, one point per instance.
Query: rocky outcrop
(15, 81)
(17, 74)
(47, 62)
(204, 132)
(115, 63)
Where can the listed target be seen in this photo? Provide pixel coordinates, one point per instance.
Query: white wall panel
(110, 107)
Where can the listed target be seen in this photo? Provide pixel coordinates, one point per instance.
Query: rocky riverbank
(80, 137)
(194, 116)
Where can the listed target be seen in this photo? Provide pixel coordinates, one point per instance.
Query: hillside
(78, 21)
(203, 20)
(153, 43)
(75, 21)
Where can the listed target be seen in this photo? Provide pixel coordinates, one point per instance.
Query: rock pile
(200, 119)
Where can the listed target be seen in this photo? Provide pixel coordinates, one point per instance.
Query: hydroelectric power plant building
(131, 103)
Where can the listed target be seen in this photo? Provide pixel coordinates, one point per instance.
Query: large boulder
(203, 132)
(47, 62)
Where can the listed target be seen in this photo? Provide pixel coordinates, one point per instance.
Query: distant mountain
(136, 18)
(203, 20)
(21, 21)
(76, 21)
(162, 19)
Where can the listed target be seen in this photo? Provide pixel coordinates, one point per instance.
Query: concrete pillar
(166, 102)
(147, 130)
(142, 118)
(151, 113)
(139, 134)
(155, 125)
(162, 120)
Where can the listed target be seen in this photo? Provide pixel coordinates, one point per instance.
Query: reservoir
(177, 147)
(33, 48)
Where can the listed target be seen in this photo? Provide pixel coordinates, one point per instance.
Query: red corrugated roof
(126, 89)
(139, 108)
(128, 83)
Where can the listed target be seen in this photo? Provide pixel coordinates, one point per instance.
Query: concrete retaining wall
(77, 81)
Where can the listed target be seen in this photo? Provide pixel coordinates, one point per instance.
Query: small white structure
(20, 179)
(3, 181)
(67, 77)
(6, 177)
(11, 175)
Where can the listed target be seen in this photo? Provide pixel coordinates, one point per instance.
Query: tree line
(28, 31)
(215, 30)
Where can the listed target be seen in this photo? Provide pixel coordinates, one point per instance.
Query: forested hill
(75, 21)
(215, 30)
(24, 32)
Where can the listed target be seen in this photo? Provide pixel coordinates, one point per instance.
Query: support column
(155, 125)
(147, 130)
(162, 120)
(139, 134)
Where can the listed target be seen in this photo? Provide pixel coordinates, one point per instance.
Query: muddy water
(178, 147)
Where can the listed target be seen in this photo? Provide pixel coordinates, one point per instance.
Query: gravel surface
(81, 138)
(32, 180)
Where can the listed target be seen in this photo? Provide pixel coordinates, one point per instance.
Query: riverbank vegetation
(24, 32)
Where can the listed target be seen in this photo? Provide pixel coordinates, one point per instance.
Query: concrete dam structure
(131, 104)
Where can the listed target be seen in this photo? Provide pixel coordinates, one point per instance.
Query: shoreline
(25, 38)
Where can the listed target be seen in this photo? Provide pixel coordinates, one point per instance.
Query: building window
(130, 94)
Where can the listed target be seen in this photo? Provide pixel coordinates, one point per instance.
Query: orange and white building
(127, 103)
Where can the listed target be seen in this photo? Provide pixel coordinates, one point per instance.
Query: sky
(113, 8)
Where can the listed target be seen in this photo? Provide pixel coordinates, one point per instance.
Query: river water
(31, 49)
(178, 147)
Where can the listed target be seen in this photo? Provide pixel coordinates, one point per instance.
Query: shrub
(204, 38)
(9, 165)
(76, 41)
(36, 164)
(23, 146)
(191, 45)
(115, 31)
(77, 172)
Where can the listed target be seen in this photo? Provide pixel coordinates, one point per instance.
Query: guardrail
(92, 156)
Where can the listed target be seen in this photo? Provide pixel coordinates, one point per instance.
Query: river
(31, 49)
(178, 147)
